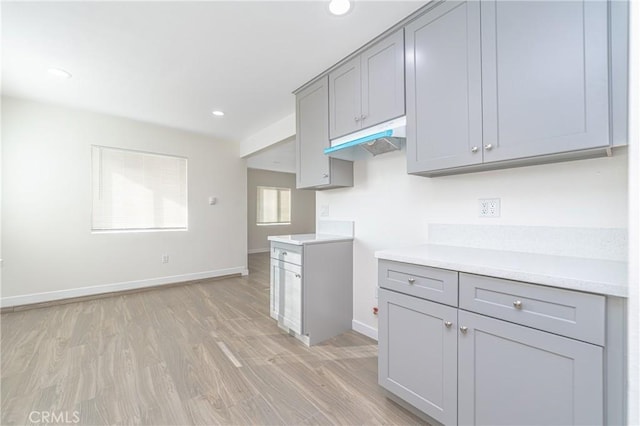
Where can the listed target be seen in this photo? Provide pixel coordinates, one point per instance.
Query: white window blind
(274, 206)
(138, 190)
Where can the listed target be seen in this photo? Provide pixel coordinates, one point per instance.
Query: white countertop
(591, 275)
(302, 239)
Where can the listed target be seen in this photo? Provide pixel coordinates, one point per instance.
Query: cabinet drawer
(568, 313)
(439, 285)
(287, 253)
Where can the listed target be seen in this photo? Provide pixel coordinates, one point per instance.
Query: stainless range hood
(385, 137)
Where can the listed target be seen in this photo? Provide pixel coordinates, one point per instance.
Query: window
(274, 206)
(135, 190)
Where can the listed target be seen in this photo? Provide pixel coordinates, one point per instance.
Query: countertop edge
(597, 287)
(331, 239)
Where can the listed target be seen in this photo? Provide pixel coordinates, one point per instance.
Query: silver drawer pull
(474, 149)
(488, 147)
(463, 329)
(448, 324)
(411, 280)
(284, 253)
(517, 304)
(298, 276)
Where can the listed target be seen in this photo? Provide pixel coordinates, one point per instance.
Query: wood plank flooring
(205, 353)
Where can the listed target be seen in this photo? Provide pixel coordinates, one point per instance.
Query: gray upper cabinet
(545, 77)
(444, 104)
(498, 83)
(369, 88)
(513, 375)
(314, 168)
(345, 93)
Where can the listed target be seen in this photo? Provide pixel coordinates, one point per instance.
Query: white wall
(392, 209)
(276, 132)
(303, 205)
(47, 243)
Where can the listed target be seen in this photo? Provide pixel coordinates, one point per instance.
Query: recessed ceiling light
(339, 7)
(59, 72)
(218, 113)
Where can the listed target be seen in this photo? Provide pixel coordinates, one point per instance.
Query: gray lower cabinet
(368, 89)
(513, 375)
(311, 289)
(500, 83)
(417, 352)
(527, 355)
(314, 169)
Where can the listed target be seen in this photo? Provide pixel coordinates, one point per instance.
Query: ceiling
(280, 157)
(172, 63)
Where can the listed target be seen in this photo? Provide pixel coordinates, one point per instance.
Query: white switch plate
(489, 207)
(324, 210)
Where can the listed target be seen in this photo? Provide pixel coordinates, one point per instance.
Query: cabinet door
(287, 299)
(312, 135)
(444, 105)
(514, 375)
(417, 346)
(383, 80)
(545, 77)
(344, 99)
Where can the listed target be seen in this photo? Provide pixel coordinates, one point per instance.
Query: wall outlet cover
(489, 207)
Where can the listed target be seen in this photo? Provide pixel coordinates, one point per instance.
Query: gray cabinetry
(369, 88)
(504, 353)
(444, 104)
(311, 292)
(417, 353)
(314, 169)
(497, 83)
(510, 375)
(545, 77)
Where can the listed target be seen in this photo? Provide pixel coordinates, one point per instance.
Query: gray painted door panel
(417, 353)
(444, 105)
(312, 135)
(383, 80)
(545, 77)
(344, 99)
(514, 375)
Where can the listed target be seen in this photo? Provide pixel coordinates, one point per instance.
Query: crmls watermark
(54, 417)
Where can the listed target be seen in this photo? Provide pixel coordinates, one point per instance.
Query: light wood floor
(205, 353)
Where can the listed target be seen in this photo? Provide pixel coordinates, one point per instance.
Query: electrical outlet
(489, 207)
(324, 210)
(165, 258)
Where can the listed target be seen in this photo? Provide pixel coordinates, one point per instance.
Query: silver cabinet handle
(363, 116)
(474, 149)
(357, 119)
(517, 304)
(463, 329)
(448, 324)
(298, 276)
(284, 253)
(488, 147)
(411, 280)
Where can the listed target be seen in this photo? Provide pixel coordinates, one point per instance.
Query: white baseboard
(259, 250)
(364, 329)
(49, 296)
